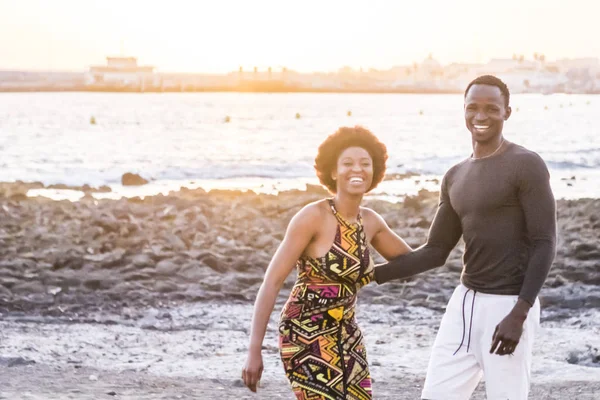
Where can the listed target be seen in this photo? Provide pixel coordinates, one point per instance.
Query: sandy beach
(152, 298)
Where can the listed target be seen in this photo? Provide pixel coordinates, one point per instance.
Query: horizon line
(278, 67)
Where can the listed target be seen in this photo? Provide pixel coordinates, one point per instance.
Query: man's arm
(539, 209)
(444, 233)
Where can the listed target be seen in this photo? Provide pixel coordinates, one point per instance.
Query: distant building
(122, 71)
(567, 63)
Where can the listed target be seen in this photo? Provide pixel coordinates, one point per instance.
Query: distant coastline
(217, 89)
(124, 74)
(260, 87)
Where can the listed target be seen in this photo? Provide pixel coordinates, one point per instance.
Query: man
(499, 199)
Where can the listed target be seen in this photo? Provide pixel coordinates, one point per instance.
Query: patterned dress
(320, 343)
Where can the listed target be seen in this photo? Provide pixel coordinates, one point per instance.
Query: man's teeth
(359, 180)
(481, 127)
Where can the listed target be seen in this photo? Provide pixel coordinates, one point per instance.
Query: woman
(320, 343)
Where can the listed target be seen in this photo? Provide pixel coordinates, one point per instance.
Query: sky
(219, 36)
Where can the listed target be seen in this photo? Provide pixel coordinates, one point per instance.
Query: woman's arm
(300, 232)
(385, 240)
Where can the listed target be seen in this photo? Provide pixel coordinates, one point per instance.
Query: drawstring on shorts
(462, 340)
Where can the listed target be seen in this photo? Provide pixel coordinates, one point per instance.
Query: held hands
(252, 370)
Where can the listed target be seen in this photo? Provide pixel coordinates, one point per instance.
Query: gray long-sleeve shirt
(505, 210)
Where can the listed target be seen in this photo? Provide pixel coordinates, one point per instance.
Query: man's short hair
(491, 80)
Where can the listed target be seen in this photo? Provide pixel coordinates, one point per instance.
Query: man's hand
(508, 332)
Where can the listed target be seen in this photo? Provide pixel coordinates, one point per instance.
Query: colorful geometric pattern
(320, 343)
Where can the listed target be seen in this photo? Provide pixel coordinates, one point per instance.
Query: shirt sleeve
(443, 235)
(539, 208)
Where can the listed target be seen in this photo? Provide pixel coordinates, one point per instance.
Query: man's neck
(483, 150)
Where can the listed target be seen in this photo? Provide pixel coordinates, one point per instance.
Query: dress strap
(339, 217)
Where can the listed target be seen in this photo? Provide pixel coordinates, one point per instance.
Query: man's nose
(480, 116)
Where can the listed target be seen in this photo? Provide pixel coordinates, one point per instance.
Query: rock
(165, 287)
(421, 223)
(263, 241)
(99, 283)
(557, 281)
(142, 260)
(202, 223)
(5, 293)
(15, 361)
(175, 241)
(454, 266)
(93, 378)
(129, 179)
(590, 357)
(241, 265)
(145, 274)
(592, 301)
(17, 189)
(67, 260)
(412, 202)
(33, 287)
(92, 233)
(416, 296)
(216, 246)
(316, 189)
(214, 262)
(193, 272)
(59, 186)
(587, 251)
(18, 264)
(167, 268)
(107, 260)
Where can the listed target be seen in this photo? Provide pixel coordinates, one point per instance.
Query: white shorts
(455, 370)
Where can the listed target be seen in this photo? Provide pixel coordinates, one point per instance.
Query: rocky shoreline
(152, 298)
(71, 258)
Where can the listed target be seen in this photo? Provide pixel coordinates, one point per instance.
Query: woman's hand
(252, 371)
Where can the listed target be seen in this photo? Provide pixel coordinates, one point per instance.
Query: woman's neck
(348, 205)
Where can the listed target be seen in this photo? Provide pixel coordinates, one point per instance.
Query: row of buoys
(348, 113)
(421, 112)
(561, 105)
(298, 116)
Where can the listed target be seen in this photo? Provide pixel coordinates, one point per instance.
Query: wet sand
(197, 351)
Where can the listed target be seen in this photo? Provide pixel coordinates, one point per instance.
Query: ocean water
(183, 139)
